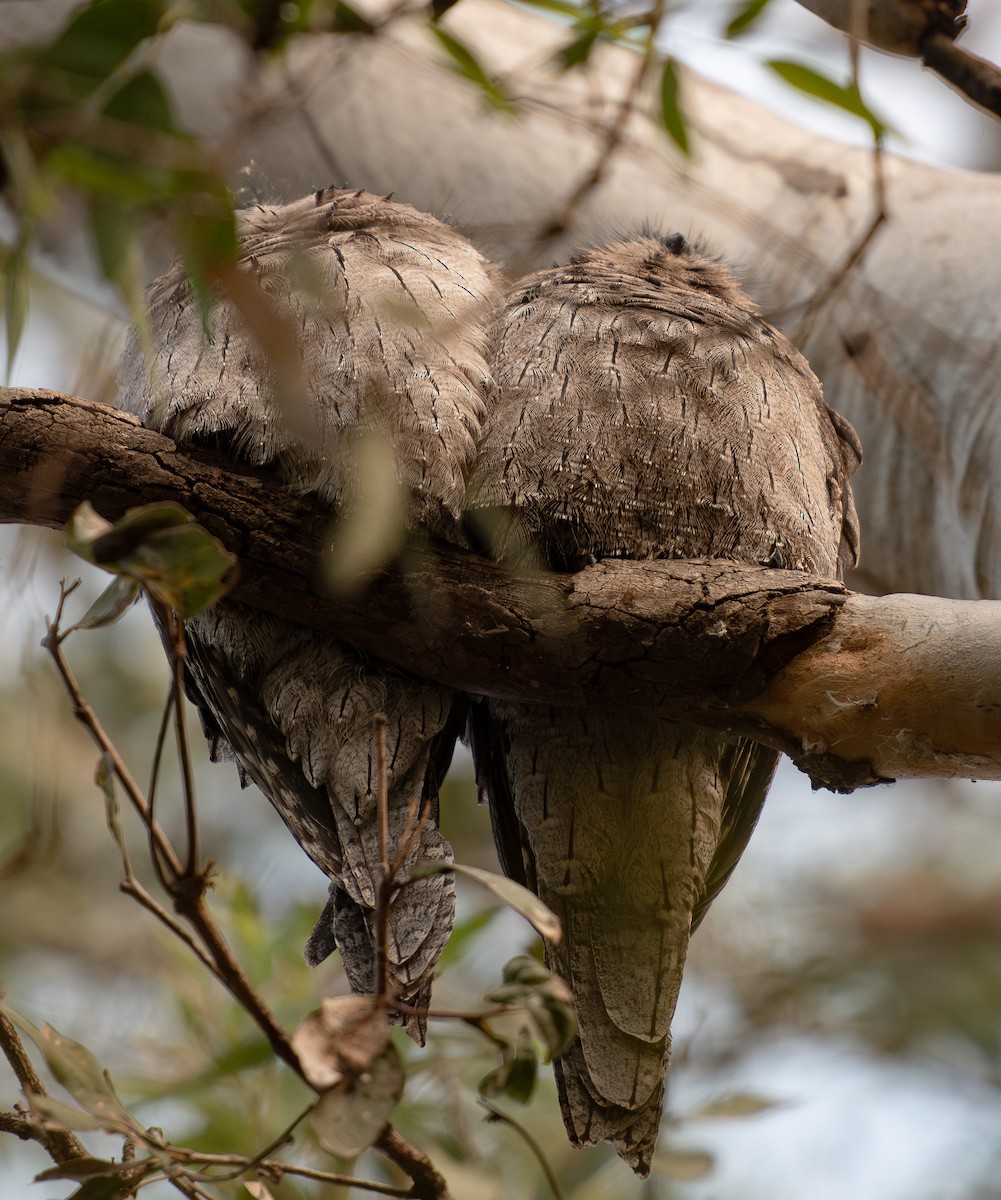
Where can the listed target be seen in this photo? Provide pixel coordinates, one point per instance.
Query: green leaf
(142, 101)
(463, 933)
(579, 50)
(78, 1071)
(100, 173)
(846, 97)
(370, 531)
(205, 227)
(186, 568)
(524, 902)
(670, 108)
(349, 1117)
(468, 66)
(103, 1189)
(347, 20)
(564, 7)
(98, 38)
(115, 228)
(66, 1116)
(546, 998)
(526, 972)
(85, 527)
(160, 547)
(112, 604)
(745, 16)
(515, 1077)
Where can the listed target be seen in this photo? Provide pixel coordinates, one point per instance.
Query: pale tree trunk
(906, 344)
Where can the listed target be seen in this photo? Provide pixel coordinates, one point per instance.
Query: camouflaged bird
(386, 309)
(641, 409)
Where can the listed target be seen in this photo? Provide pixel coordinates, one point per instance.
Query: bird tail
(619, 819)
(297, 711)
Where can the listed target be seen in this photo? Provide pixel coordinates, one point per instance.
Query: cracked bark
(856, 689)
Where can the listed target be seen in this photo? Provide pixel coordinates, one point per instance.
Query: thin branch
(973, 76)
(889, 687)
(880, 212)
(276, 1169)
(187, 891)
(177, 659)
(428, 1184)
(20, 1126)
(160, 869)
(497, 1115)
(613, 137)
(131, 886)
(384, 889)
(82, 710)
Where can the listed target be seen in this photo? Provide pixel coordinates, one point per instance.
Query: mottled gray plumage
(388, 309)
(641, 409)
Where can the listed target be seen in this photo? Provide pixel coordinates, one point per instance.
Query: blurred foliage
(905, 962)
(87, 125)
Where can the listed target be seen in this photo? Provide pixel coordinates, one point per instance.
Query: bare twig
(880, 212)
(977, 79)
(428, 1184)
(384, 891)
(275, 1169)
(497, 1115)
(184, 749)
(186, 888)
(19, 1125)
(84, 713)
(614, 134)
(186, 885)
(159, 867)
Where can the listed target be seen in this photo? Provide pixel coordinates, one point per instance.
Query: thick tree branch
(855, 688)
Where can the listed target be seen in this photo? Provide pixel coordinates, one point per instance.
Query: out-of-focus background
(839, 1032)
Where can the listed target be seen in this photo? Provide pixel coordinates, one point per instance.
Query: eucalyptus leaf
(579, 50)
(160, 547)
(466, 64)
(845, 96)
(98, 38)
(78, 1071)
(745, 16)
(513, 894)
(141, 100)
(515, 1077)
(348, 1118)
(670, 107)
(346, 19)
(62, 1115)
(112, 604)
(106, 1188)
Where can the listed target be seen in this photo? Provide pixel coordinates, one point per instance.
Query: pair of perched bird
(632, 404)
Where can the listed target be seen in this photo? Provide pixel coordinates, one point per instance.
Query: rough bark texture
(792, 659)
